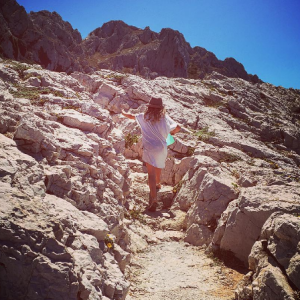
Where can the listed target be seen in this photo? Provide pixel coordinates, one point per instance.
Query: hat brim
(155, 106)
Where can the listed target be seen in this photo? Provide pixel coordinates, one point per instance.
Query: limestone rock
(254, 206)
(211, 199)
(234, 164)
(20, 170)
(281, 231)
(198, 235)
(274, 261)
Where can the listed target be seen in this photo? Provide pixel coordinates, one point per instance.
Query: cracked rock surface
(74, 189)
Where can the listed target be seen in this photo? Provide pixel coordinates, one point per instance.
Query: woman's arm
(129, 116)
(178, 128)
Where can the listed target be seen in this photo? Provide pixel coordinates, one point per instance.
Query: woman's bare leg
(157, 175)
(152, 173)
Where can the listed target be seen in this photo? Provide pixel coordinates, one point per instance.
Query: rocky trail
(167, 267)
(71, 179)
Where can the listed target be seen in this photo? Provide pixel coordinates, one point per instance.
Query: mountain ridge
(45, 38)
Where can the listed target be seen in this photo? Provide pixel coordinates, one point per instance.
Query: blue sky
(263, 35)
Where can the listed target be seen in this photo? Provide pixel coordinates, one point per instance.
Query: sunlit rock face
(274, 261)
(69, 160)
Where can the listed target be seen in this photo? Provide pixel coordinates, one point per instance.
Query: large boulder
(274, 261)
(204, 192)
(248, 214)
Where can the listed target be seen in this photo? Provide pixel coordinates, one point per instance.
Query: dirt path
(168, 268)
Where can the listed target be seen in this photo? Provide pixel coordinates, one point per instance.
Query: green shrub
(72, 107)
(115, 77)
(27, 76)
(230, 157)
(33, 93)
(235, 173)
(235, 186)
(190, 151)
(131, 139)
(178, 186)
(272, 164)
(19, 67)
(204, 134)
(135, 214)
(30, 93)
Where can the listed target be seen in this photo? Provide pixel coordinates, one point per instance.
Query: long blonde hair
(154, 114)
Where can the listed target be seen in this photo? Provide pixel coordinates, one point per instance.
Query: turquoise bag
(170, 140)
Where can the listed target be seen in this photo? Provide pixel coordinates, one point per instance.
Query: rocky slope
(118, 46)
(40, 37)
(69, 163)
(44, 38)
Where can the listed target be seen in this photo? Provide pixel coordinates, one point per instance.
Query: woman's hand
(178, 128)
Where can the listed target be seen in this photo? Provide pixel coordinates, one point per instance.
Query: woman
(155, 126)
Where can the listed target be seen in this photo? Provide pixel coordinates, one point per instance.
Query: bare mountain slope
(71, 173)
(44, 38)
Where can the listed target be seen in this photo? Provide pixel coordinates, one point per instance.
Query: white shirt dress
(154, 135)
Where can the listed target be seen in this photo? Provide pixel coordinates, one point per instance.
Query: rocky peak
(14, 22)
(53, 26)
(40, 37)
(45, 38)
(112, 37)
(15, 17)
(148, 35)
(113, 27)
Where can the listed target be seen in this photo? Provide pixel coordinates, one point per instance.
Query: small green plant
(295, 178)
(72, 107)
(214, 257)
(229, 157)
(19, 67)
(273, 165)
(190, 151)
(9, 135)
(116, 77)
(52, 91)
(27, 76)
(39, 101)
(178, 186)
(78, 96)
(214, 104)
(204, 134)
(251, 161)
(135, 214)
(235, 186)
(33, 93)
(235, 173)
(131, 139)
